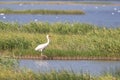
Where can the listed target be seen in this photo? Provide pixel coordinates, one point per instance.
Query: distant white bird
(96, 7)
(115, 9)
(20, 4)
(41, 47)
(4, 17)
(118, 11)
(2, 14)
(113, 13)
(35, 20)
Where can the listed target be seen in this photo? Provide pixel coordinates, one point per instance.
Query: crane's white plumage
(41, 47)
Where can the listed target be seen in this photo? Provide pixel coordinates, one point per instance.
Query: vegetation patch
(9, 11)
(67, 39)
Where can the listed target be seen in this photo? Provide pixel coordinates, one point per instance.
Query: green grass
(9, 11)
(10, 74)
(67, 39)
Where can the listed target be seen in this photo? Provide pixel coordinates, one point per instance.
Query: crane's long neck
(48, 40)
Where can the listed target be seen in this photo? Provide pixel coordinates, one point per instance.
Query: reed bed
(41, 11)
(67, 39)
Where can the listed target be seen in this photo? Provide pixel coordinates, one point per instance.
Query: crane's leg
(41, 53)
(44, 56)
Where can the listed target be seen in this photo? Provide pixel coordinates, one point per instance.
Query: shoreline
(67, 58)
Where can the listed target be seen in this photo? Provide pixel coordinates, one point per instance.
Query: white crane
(41, 47)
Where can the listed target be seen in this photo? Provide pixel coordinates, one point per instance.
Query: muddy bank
(67, 58)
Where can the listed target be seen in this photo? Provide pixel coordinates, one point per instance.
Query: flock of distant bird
(2, 14)
(115, 9)
(113, 13)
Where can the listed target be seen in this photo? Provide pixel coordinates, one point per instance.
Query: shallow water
(101, 15)
(85, 66)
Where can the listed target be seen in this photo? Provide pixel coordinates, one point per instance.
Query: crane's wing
(41, 46)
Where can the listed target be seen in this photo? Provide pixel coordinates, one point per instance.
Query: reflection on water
(92, 67)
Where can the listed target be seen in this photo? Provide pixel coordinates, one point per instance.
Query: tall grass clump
(8, 62)
(7, 26)
(36, 27)
(59, 28)
(114, 72)
(67, 39)
(40, 27)
(12, 43)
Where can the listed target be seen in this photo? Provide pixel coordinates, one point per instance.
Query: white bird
(96, 7)
(4, 17)
(118, 11)
(113, 13)
(20, 4)
(35, 20)
(115, 9)
(2, 14)
(41, 47)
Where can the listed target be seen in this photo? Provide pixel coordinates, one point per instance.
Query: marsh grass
(114, 72)
(67, 39)
(8, 62)
(29, 75)
(9, 11)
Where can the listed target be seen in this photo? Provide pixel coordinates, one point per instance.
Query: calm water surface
(102, 15)
(92, 67)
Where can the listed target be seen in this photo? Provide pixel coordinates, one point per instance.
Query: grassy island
(9, 11)
(67, 39)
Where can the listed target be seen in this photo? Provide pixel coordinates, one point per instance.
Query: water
(92, 67)
(59, 0)
(101, 15)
